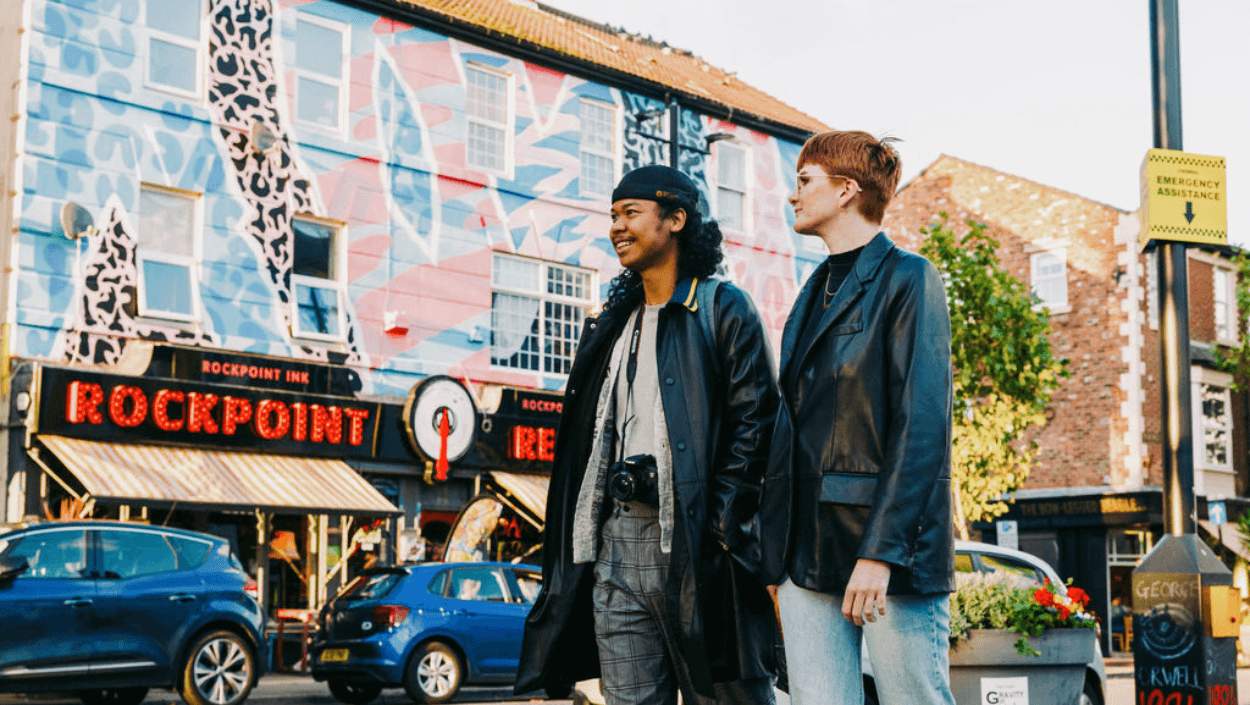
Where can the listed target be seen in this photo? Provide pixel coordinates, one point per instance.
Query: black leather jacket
(860, 459)
(719, 399)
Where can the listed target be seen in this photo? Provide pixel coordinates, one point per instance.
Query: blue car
(429, 629)
(112, 609)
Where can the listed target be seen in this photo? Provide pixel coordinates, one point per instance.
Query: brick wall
(1086, 439)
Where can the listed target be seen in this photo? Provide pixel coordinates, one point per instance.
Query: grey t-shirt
(635, 419)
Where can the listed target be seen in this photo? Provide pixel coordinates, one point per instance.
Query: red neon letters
(532, 443)
(173, 411)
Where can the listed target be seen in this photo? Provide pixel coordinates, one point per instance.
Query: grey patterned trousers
(637, 639)
(631, 628)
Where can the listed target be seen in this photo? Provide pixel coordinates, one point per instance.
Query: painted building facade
(392, 190)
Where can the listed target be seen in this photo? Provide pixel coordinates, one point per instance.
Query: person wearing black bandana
(856, 509)
(651, 539)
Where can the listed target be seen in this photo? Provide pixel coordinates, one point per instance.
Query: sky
(1055, 91)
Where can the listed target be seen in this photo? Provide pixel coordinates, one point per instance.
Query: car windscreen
(371, 586)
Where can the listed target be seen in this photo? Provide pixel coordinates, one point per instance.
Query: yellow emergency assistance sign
(1184, 198)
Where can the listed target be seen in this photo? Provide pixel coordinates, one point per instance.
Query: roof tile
(582, 39)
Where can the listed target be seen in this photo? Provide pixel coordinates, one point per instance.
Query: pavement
(286, 689)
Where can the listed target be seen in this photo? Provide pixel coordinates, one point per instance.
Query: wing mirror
(12, 567)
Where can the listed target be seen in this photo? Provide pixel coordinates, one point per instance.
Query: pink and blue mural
(419, 223)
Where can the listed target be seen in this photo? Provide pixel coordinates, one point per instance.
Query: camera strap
(631, 373)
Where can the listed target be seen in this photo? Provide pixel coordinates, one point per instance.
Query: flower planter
(1054, 678)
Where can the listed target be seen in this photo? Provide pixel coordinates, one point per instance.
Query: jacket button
(690, 512)
(681, 445)
(668, 381)
(573, 392)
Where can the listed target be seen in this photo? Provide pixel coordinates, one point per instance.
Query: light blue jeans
(908, 647)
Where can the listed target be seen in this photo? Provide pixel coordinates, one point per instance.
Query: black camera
(635, 479)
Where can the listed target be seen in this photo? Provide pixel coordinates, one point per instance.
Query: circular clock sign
(441, 419)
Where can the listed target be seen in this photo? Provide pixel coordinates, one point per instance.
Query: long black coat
(860, 463)
(719, 404)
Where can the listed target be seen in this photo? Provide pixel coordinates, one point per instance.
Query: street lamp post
(1181, 586)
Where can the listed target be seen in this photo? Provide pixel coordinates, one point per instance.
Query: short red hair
(873, 163)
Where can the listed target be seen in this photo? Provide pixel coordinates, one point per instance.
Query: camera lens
(623, 486)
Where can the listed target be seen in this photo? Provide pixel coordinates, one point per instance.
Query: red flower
(1079, 596)
(1063, 613)
(1044, 597)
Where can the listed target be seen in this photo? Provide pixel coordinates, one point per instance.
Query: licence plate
(334, 655)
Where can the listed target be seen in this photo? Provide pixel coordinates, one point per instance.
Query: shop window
(175, 46)
(488, 113)
(131, 554)
(168, 224)
(51, 554)
(1049, 277)
(731, 186)
(1128, 546)
(598, 148)
(1225, 302)
(537, 309)
(320, 72)
(315, 280)
(477, 584)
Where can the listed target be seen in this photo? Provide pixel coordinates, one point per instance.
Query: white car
(976, 557)
(970, 557)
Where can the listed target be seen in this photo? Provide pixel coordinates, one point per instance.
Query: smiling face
(819, 199)
(642, 236)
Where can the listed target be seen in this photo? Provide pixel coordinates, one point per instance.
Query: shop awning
(165, 475)
(1227, 535)
(529, 490)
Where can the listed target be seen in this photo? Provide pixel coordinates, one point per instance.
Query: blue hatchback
(112, 609)
(429, 629)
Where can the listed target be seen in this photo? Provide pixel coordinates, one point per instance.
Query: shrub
(1006, 602)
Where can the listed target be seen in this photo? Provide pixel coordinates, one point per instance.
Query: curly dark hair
(698, 255)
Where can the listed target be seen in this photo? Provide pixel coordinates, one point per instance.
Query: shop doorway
(1125, 550)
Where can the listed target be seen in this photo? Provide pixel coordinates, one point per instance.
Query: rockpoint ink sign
(122, 409)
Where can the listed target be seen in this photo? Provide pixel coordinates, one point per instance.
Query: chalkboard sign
(1176, 663)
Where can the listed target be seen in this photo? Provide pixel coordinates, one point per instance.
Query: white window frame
(508, 126)
(1231, 319)
(747, 180)
(1062, 254)
(614, 154)
(1152, 289)
(344, 30)
(543, 297)
(1200, 376)
(200, 46)
(338, 254)
(189, 262)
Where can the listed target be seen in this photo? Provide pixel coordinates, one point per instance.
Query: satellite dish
(263, 138)
(76, 221)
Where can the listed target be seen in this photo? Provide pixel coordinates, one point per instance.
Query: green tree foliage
(1236, 360)
(1005, 372)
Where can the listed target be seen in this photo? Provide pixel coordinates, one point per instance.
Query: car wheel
(220, 670)
(1091, 694)
(113, 696)
(351, 693)
(434, 674)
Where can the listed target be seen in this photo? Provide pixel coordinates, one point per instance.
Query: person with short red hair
(855, 513)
